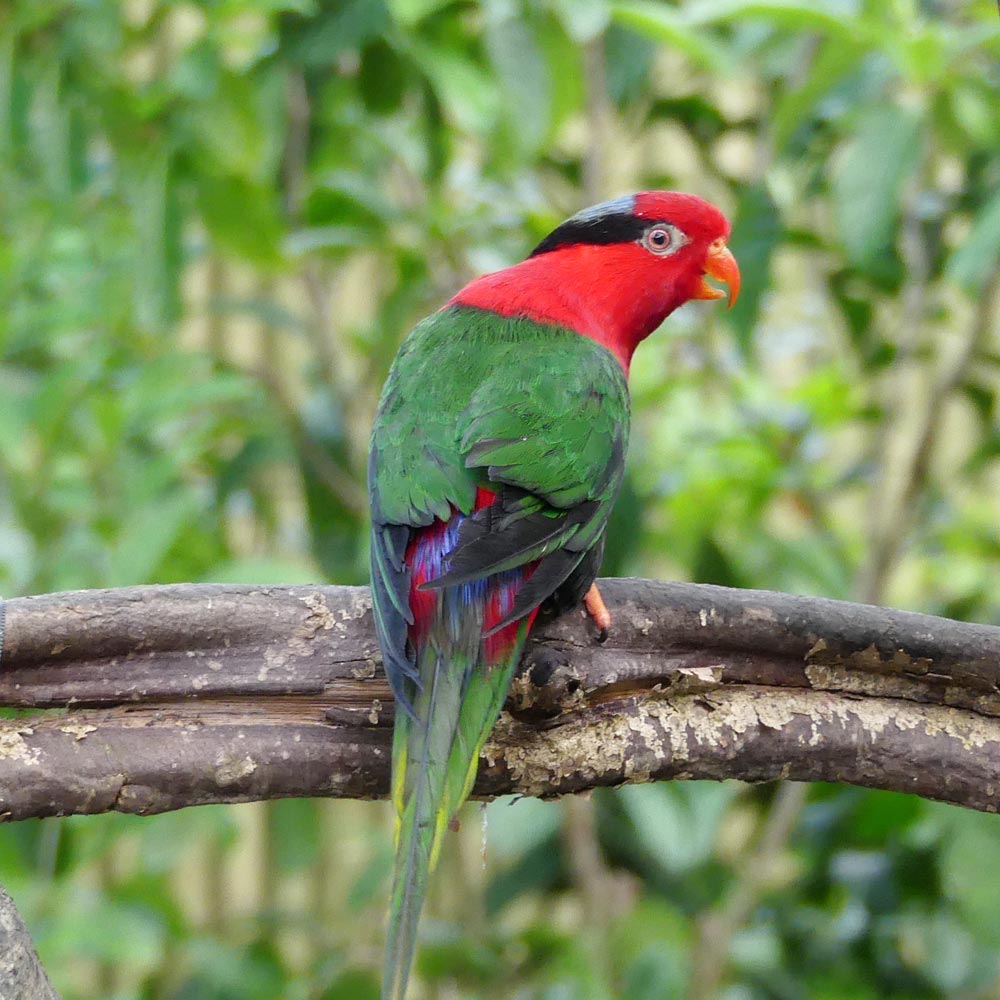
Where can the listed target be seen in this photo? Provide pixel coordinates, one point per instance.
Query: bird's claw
(598, 612)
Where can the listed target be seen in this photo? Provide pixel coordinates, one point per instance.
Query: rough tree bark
(174, 696)
(21, 974)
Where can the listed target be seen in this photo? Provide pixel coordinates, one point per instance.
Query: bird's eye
(661, 239)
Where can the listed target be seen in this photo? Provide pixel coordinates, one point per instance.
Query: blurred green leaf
(868, 183)
(294, 832)
(89, 927)
(629, 57)
(304, 241)
(795, 106)
(975, 259)
(355, 984)
(757, 233)
(382, 77)
(464, 89)
(146, 535)
(264, 570)
(238, 128)
(152, 198)
(317, 41)
(974, 109)
(713, 565)
(523, 73)
(241, 216)
(971, 847)
(409, 12)
(449, 955)
(652, 945)
(670, 26)
(654, 976)
(830, 16)
(676, 823)
(536, 870)
(222, 971)
(584, 20)
(515, 824)
(372, 881)
(564, 78)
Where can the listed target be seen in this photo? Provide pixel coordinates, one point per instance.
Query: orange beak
(721, 265)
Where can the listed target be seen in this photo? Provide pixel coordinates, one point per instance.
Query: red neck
(607, 293)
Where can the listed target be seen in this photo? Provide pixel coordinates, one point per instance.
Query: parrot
(496, 454)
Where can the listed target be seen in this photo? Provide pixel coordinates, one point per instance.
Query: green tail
(434, 766)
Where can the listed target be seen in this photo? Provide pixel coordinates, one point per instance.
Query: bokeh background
(217, 221)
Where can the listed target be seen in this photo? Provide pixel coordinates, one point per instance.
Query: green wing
(537, 414)
(551, 438)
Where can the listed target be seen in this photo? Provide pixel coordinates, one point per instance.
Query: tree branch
(192, 694)
(21, 974)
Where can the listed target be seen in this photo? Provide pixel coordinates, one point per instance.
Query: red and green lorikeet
(496, 456)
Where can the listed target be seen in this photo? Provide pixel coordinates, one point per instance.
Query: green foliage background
(218, 219)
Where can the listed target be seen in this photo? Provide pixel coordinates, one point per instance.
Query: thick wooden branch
(176, 696)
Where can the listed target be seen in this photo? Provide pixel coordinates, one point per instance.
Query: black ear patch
(614, 227)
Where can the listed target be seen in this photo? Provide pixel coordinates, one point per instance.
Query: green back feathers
(470, 389)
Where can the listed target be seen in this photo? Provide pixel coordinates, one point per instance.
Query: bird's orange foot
(598, 611)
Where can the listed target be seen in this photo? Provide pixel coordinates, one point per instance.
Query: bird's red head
(615, 271)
